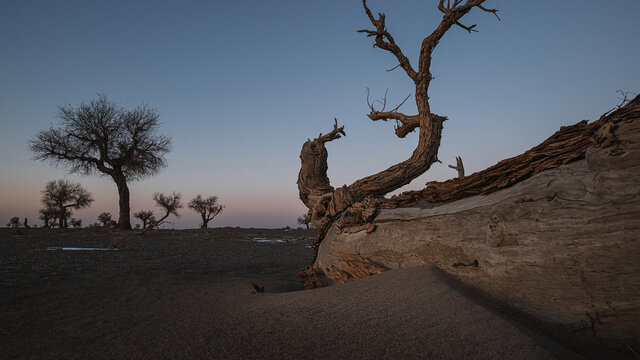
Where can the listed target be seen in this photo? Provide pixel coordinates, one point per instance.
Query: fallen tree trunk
(554, 232)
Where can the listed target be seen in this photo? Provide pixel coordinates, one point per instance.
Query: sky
(240, 85)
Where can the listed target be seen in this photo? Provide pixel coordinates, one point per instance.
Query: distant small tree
(169, 203)
(145, 216)
(26, 224)
(207, 208)
(49, 216)
(305, 220)
(14, 222)
(105, 218)
(102, 137)
(76, 223)
(64, 195)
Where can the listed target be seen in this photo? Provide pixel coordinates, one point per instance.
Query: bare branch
(333, 134)
(459, 167)
(401, 103)
(389, 44)
(624, 99)
(468, 28)
(383, 101)
(494, 11)
(409, 122)
(393, 68)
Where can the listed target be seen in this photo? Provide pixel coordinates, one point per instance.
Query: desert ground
(189, 294)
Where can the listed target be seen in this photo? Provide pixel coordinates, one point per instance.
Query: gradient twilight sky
(240, 85)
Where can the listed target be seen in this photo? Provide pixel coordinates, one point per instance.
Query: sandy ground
(188, 294)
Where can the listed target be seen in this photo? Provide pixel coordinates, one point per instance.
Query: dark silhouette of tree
(305, 220)
(207, 208)
(63, 195)
(169, 203)
(14, 222)
(105, 218)
(145, 216)
(102, 137)
(327, 203)
(76, 223)
(48, 215)
(26, 224)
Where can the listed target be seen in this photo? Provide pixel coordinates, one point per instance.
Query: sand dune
(188, 294)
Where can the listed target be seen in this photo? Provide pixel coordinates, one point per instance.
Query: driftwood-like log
(566, 145)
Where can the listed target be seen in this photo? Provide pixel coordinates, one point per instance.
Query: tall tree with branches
(63, 195)
(105, 138)
(207, 208)
(325, 202)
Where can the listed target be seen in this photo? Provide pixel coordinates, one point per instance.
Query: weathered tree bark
(552, 233)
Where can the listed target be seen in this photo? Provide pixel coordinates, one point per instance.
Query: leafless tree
(14, 222)
(169, 203)
(49, 216)
(76, 223)
(305, 220)
(326, 203)
(145, 216)
(64, 195)
(102, 137)
(105, 218)
(207, 208)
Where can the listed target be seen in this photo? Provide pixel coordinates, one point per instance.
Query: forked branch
(385, 41)
(383, 101)
(334, 134)
(458, 167)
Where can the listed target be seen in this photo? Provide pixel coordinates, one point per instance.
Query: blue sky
(241, 85)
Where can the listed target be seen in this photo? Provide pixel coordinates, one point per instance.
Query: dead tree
(169, 203)
(63, 196)
(458, 167)
(48, 215)
(326, 203)
(145, 216)
(105, 218)
(76, 223)
(102, 137)
(14, 222)
(207, 208)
